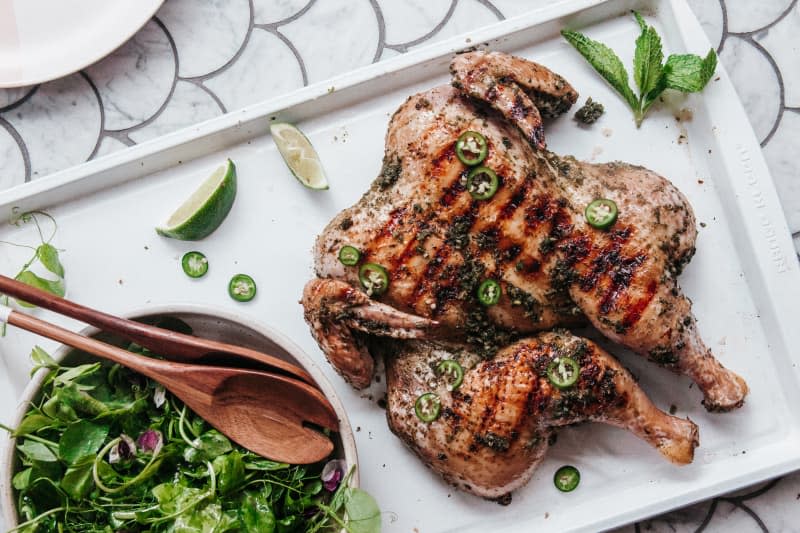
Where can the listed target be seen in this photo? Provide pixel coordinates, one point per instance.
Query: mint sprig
(687, 73)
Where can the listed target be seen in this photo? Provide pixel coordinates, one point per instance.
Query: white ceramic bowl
(206, 322)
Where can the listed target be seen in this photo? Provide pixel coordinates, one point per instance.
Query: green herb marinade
(170, 472)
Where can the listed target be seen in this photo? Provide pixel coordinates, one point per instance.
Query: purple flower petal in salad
(332, 474)
(150, 441)
(124, 450)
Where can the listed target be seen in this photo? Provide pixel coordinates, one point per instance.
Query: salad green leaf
(98, 453)
(681, 72)
(81, 439)
(362, 511)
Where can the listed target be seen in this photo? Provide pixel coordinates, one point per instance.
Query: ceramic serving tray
(744, 280)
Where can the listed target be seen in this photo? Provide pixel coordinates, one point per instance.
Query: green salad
(104, 449)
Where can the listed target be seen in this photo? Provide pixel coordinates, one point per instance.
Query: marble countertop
(197, 59)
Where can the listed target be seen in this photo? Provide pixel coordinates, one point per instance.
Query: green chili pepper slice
(427, 407)
(349, 255)
(373, 278)
(601, 213)
(566, 478)
(452, 372)
(242, 288)
(482, 183)
(471, 148)
(195, 264)
(563, 372)
(489, 292)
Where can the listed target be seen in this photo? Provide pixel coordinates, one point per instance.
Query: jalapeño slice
(566, 478)
(563, 372)
(471, 148)
(373, 278)
(601, 213)
(482, 183)
(427, 407)
(489, 292)
(452, 372)
(242, 288)
(349, 255)
(195, 264)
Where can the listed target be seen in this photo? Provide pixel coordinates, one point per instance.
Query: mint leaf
(640, 20)
(648, 59)
(682, 72)
(690, 73)
(605, 62)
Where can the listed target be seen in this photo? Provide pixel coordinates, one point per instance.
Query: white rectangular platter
(744, 279)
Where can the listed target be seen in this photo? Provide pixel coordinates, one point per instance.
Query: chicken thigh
(427, 243)
(493, 430)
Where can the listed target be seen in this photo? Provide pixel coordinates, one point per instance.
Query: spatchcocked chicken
(474, 234)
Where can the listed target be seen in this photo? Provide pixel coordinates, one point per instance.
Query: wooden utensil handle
(62, 306)
(170, 344)
(86, 344)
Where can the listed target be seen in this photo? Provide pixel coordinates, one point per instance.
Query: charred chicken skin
(493, 430)
(435, 242)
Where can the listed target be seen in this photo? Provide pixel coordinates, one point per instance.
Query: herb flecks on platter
(687, 73)
(104, 449)
(44, 254)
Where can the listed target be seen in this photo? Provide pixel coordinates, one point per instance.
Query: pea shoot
(45, 254)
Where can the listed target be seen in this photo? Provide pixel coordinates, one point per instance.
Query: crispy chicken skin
(438, 243)
(494, 429)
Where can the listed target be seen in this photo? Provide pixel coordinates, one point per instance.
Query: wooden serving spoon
(264, 412)
(169, 344)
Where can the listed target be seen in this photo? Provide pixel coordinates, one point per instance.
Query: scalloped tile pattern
(199, 58)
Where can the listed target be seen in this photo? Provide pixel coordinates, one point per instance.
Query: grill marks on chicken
(494, 430)
(438, 243)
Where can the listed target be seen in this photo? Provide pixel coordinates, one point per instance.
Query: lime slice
(299, 155)
(205, 209)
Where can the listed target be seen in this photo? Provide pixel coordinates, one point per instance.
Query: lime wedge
(205, 209)
(299, 155)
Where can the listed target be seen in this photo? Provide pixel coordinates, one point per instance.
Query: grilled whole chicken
(435, 242)
(493, 430)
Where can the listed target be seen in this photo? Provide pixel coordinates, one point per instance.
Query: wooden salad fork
(267, 413)
(169, 344)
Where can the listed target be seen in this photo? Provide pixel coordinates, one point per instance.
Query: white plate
(744, 280)
(41, 40)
